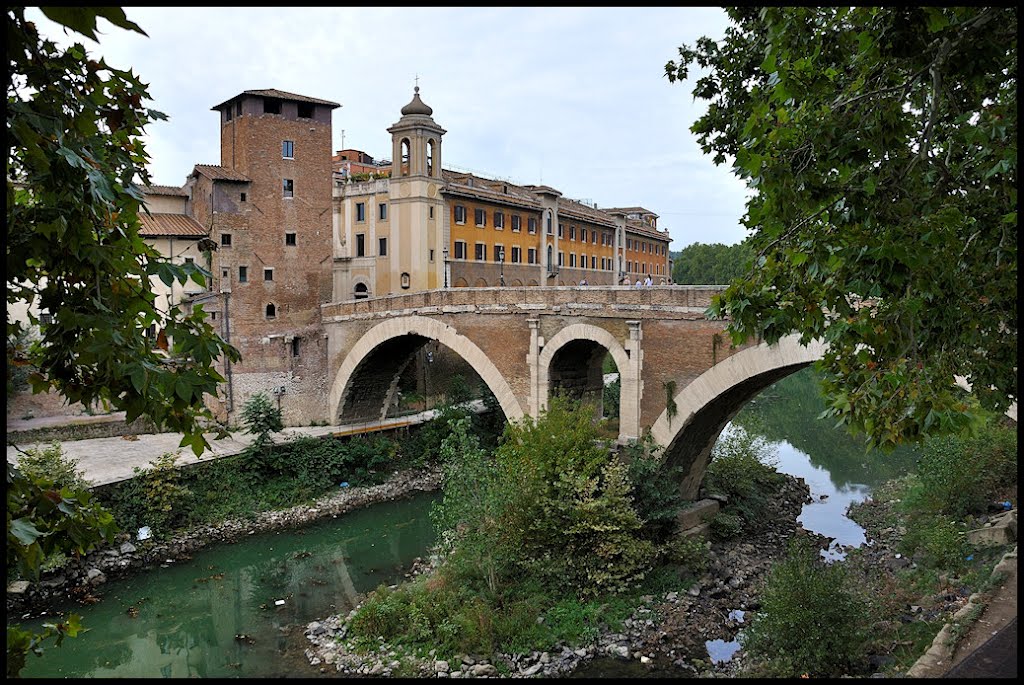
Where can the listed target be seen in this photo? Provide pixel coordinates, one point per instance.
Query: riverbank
(666, 633)
(83, 578)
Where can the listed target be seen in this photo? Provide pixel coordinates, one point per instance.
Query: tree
(74, 162)
(714, 264)
(881, 146)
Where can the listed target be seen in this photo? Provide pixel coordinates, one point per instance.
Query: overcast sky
(575, 98)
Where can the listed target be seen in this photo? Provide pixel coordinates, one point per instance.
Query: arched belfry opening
(416, 141)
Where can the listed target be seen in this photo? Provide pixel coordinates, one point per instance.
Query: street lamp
(501, 262)
(444, 254)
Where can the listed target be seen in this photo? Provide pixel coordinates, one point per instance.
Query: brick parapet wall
(683, 302)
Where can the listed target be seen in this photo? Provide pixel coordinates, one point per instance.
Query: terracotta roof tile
(219, 173)
(155, 225)
(164, 190)
(283, 95)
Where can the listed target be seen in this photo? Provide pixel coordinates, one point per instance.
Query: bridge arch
(393, 330)
(579, 340)
(709, 402)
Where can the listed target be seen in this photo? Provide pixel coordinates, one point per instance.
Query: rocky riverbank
(667, 633)
(82, 578)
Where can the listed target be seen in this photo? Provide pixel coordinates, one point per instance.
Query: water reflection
(217, 615)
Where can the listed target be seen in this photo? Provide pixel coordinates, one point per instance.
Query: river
(239, 610)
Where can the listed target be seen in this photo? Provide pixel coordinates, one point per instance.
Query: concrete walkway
(109, 460)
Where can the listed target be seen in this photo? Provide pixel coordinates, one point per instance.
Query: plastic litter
(144, 533)
(1007, 506)
(278, 602)
(969, 557)
(343, 484)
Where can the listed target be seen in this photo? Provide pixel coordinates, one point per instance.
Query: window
(572, 258)
(593, 236)
(583, 234)
(549, 223)
(360, 244)
(228, 111)
(243, 197)
(517, 255)
(480, 217)
(289, 239)
(223, 273)
(289, 187)
(189, 260)
(271, 106)
(430, 212)
(460, 214)
(572, 232)
(360, 211)
(238, 110)
(243, 274)
(288, 149)
(295, 347)
(431, 255)
(225, 240)
(383, 211)
(531, 255)
(460, 249)
(643, 247)
(593, 261)
(306, 110)
(268, 273)
(561, 231)
(561, 258)
(382, 247)
(499, 219)
(271, 311)
(499, 253)
(481, 252)
(516, 225)
(531, 224)
(361, 291)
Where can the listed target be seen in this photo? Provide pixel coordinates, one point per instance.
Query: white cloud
(577, 95)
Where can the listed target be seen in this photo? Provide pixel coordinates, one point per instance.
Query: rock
(18, 587)
(54, 582)
(441, 666)
(127, 548)
(480, 670)
(96, 576)
(694, 591)
(532, 670)
(580, 652)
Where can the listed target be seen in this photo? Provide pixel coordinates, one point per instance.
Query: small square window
(288, 149)
(289, 187)
(243, 274)
(225, 240)
(289, 239)
(268, 274)
(306, 110)
(271, 106)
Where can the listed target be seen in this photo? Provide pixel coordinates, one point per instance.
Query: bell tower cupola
(416, 141)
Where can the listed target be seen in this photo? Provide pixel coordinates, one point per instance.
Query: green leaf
(25, 531)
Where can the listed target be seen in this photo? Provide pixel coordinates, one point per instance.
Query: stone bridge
(679, 377)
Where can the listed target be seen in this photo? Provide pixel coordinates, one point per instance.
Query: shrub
(154, 497)
(656, 495)
(936, 541)
(261, 418)
(51, 463)
(742, 468)
(811, 621)
(960, 475)
(689, 551)
(726, 525)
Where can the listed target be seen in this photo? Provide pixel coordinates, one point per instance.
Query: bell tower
(419, 226)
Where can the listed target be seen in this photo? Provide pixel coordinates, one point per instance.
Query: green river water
(218, 614)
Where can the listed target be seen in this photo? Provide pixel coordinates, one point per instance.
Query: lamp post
(501, 262)
(444, 254)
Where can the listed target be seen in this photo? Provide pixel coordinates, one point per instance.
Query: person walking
(648, 282)
(638, 284)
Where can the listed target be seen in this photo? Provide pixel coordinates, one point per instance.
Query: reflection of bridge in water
(678, 376)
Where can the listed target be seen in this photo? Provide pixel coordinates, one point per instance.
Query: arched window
(271, 311)
(405, 157)
(430, 157)
(361, 291)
